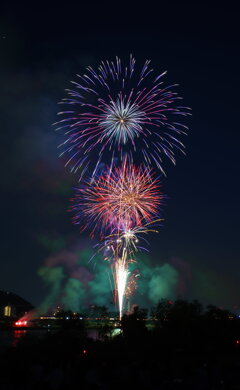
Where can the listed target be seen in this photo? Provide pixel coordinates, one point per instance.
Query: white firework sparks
(122, 121)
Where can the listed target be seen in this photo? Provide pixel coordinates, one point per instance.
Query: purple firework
(120, 110)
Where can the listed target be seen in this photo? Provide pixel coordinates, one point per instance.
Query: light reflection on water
(10, 338)
(17, 334)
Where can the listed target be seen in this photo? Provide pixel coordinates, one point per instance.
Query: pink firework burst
(118, 200)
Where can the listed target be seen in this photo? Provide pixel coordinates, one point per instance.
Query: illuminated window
(7, 311)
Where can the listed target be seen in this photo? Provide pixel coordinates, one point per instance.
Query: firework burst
(119, 200)
(130, 240)
(122, 110)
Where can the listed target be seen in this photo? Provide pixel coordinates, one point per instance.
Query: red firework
(120, 199)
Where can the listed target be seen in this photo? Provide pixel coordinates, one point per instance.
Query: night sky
(42, 48)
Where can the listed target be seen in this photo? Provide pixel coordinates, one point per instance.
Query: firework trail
(121, 276)
(119, 110)
(120, 254)
(120, 250)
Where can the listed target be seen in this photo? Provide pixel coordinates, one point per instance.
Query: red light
(20, 323)
(84, 351)
(237, 341)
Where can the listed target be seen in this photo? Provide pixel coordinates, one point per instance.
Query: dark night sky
(42, 47)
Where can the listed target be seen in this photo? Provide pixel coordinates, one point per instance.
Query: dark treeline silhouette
(180, 346)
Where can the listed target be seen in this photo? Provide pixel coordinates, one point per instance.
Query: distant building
(11, 305)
